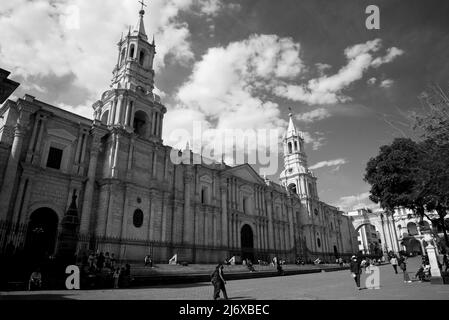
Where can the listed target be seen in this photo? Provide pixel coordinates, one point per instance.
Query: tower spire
(291, 129)
(140, 28)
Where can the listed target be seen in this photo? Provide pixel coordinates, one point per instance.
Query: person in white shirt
(394, 263)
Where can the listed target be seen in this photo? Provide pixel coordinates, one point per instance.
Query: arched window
(316, 212)
(122, 56)
(138, 218)
(292, 188)
(104, 117)
(318, 242)
(131, 51)
(204, 195)
(296, 146)
(140, 123)
(141, 57)
(289, 147)
(244, 205)
(412, 230)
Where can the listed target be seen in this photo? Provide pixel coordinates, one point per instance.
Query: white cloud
(328, 163)
(314, 115)
(328, 89)
(229, 88)
(37, 40)
(84, 110)
(371, 81)
(357, 201)
(316, 139)
(392, 53)
(226, 85)
(386, 83)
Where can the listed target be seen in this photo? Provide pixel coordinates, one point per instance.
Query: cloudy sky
(242, 64)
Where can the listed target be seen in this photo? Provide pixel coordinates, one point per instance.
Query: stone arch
(140, 123)
(292, 188)
(247, 241)
(142, 56)
(104, 117)
(42, 232)
(412, 229)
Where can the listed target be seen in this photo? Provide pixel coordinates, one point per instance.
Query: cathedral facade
(132, 200)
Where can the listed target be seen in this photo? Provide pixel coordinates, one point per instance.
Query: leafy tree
(393, 175)
(411, 175)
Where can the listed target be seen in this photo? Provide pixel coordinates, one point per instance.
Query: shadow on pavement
(44, 296)
(180, 285)
(240, 298)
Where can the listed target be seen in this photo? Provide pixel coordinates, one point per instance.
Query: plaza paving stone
(317, 286)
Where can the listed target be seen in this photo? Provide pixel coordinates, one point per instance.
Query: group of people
(97, 266)
(98, 261)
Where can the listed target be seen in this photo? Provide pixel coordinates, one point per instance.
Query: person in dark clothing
(403, 265)
(445, 262)
(218, 282)
(100, 261)
(356, 270)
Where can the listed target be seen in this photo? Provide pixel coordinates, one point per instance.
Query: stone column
(291, 225)
(113, 112)
(159, 131)
(89, 188)
(114, 173)
(33, 139)
(118, 117)
(188, 216)
(389, 233)
(433, 261)
(164, 213)
(224, 214)
(270, 221)
(36, 153)
(127, 113)
(396, 240)
(13, 162)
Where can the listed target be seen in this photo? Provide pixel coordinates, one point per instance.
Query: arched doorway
(247, 242)
(41, 233)
(413, 246)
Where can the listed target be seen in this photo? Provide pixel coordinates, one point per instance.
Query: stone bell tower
(296, 176)
(130, 103)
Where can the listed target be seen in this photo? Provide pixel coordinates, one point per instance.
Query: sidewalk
(173, 274)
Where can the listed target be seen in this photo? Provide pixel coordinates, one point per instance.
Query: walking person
(356, 271)
(403, 266)
(116, 277)
(445, 262)
(394, 263)
(219, 282)
(100, 261)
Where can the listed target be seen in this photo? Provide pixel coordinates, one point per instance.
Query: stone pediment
(61, 133)
(247, 173)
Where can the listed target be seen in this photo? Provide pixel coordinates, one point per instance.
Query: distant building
(400, 231)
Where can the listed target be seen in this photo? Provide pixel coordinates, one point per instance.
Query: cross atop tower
(142, 2)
